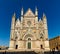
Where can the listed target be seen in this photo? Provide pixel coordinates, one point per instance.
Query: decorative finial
(36, 11)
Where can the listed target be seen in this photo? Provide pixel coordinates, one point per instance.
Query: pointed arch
(29, 35)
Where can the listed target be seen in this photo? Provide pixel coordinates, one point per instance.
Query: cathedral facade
(29, 33)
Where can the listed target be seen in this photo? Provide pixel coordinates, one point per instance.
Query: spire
(18, 23)
(45, 21)
(36, 11)
(13, 21)
(44, 16)
(29, 9)
(14, 15)
(39, 19)
(18, 19)
(22, 11)
(21, 14)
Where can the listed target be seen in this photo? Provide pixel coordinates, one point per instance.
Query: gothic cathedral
(29, 33)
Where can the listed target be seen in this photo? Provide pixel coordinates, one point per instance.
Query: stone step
(26, 52)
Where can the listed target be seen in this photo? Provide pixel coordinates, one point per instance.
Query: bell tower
(11, 45)
(46, 41)
(45, 26)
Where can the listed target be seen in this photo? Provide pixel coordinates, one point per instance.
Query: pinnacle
(14, 14)
(44, 15)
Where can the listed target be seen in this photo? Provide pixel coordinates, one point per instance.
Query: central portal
(29, 45)
(29, 42)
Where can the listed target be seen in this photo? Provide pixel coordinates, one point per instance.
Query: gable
(18, 23)
(29, 13)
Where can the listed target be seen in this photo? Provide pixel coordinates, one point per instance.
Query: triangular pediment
(18, 23)
(29, 13)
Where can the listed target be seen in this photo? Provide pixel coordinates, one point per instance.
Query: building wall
(3, 48)
(55, 43)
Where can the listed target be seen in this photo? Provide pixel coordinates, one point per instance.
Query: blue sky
(50, 7)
